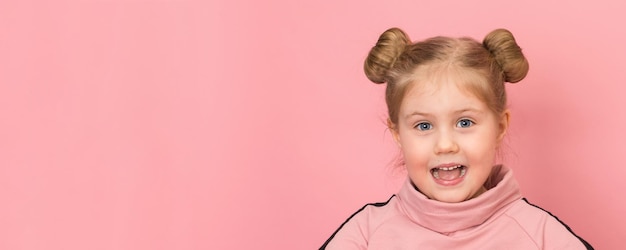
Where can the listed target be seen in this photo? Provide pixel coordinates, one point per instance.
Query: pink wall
(173, 124)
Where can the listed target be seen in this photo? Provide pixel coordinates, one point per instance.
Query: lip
(448, 183)
(446, 165)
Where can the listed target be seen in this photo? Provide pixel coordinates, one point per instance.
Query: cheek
(414, 150)
(483, 147)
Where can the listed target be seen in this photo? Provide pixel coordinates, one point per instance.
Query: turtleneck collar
(452, 217)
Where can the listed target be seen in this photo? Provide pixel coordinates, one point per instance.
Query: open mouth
(449, 173)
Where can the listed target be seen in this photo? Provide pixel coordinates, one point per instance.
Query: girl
(447, 112)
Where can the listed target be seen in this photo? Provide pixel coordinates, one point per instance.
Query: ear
(503, 124)
(394, 132)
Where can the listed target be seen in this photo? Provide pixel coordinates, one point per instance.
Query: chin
(451, 198)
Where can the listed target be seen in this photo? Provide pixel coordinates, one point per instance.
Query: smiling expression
(448, 137)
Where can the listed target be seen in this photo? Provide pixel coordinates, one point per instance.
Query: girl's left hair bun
(507, 54)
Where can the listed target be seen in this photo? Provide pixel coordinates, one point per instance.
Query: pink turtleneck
(497, 219)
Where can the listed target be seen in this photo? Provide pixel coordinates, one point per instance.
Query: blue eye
(424, 126)
(464, 123)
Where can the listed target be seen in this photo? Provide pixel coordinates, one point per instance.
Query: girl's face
(449, 139)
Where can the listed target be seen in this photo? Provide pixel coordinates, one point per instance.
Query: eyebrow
(418, 113)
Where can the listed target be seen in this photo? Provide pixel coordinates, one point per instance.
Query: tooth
(436, 174)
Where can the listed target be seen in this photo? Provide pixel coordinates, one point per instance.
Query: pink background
(173, 124)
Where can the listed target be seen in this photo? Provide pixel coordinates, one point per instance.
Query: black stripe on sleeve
(587, 245)
(379, 204)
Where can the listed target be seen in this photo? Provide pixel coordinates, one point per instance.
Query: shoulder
(355, 231)
(544, 228)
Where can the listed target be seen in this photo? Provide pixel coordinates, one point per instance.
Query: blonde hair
(394, 60)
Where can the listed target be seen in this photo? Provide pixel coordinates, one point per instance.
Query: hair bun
(381, 58)
(508, 54)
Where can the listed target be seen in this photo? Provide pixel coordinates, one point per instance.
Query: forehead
(438, 94)
(442, 73)
(444, 87)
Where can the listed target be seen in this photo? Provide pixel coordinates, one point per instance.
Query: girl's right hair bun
(507, 54)
(391, 44)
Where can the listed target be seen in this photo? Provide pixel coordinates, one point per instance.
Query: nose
(446, 143)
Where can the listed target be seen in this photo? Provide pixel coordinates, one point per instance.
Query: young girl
(447, 112)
